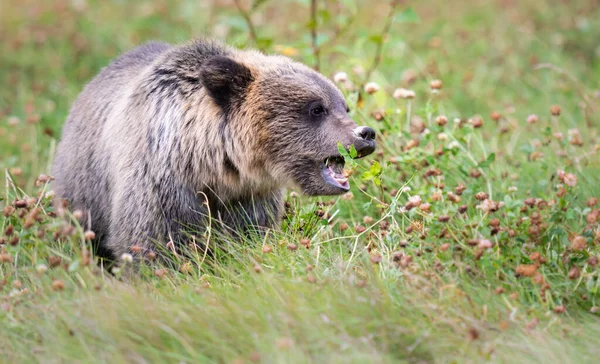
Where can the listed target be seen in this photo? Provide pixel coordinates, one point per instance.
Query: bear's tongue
(333, 173)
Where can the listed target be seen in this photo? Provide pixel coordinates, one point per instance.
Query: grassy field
(472, 235)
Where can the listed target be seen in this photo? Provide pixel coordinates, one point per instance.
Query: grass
(460, 242)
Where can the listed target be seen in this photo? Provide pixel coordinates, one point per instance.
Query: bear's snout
(365, 143)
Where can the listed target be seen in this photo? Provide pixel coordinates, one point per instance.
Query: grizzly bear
(167, 137)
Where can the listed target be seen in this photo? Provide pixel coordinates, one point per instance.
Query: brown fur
(167, 135)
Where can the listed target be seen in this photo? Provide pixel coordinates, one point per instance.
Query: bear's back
(82, 164)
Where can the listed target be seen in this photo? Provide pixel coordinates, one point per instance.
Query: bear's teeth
(341, 180)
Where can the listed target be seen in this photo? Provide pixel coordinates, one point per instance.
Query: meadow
(471, 235)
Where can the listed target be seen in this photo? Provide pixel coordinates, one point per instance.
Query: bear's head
(287, 119)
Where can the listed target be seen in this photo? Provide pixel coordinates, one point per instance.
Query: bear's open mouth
(333, 172)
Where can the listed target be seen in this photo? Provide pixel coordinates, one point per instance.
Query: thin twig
(313, 33)
(246, 15)
(384, 33)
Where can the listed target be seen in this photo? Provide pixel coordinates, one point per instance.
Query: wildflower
(495, 116)
(267, 249)
(41, 268)
(368, 220)
(257, 268)
(527, 270)
(513, 189)
(592, 201)
(532, 119)
(558, 136)
(441, 120)
(570, 180)
(575, 137)
(402, 93)
(435, 84)
(485, 244)
(126, 257)
(371, 88)
(159, 273)
(5, 258)
(477, 122)
(481, 196)
(442, 136)
(58, 285)
(54, 261)
(292, 246)
(340, 77)
(89, 235)
(415, 200)
(453, 145)
(409, 76)
(376, 258)
(574, 273)
(555, 110)
(578, 243)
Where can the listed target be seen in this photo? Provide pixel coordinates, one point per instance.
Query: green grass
(379, 281)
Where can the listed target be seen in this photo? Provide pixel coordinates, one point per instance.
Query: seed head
(344, 226)
(444, 218)
(368, 220)
(267, 249)
(292, 246)
(555, 110)
(559, 309)
(592, 201)
(41, 268)
(441, 120)
(360, 229)
(496, 116)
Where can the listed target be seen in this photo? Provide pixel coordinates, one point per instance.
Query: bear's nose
(364, 132)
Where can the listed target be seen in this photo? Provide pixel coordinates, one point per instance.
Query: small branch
(313, 33)
(246, 15)
(384, 33)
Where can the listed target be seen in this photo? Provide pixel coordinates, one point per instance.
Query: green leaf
(407, 15)
(342, 150)
(486, 163)
(353, 152)
(373, 174)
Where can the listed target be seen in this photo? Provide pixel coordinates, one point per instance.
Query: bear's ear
(226, 80)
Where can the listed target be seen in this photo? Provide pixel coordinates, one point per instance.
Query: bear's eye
(317, 110)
